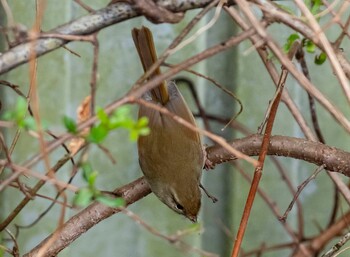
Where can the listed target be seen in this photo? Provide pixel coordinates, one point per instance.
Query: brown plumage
(171, 157)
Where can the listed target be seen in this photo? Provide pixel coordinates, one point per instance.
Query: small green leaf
(122, 111)
(114, 123)
(29, 124)
(92, 179)
(70, 124)
(97, 134)
(321, 58)
(144, 131)
(21, 108)
(87, 170)
(316, 4)
(143, 122)
(134, 134)
(111, 202)
(83, 197)
(102, 115)
(121, 118)
(89, 174)
(290, 40)
(310, 46)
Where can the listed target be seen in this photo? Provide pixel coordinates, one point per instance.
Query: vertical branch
(94, 72)
(328, 48)
(267, 134)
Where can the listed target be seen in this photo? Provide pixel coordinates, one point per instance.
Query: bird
(171, 157)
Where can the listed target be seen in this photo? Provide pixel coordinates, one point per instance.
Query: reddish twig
(266, 139)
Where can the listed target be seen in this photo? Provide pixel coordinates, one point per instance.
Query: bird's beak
(192, 218)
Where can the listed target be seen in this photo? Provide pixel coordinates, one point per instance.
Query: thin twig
(266, 139)
(300, 189)
(84, 25)
(337, 246)
(217, 84)
(173, 239)
(33, 191)
(94, 72)
(221, 141)
(344, 82)
(84, 6)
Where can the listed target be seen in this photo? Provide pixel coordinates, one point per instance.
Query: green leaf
(87, 170)
(21, 108)
(121, 122)
(18, 113)
(290, 40)
(316, 4)
(83, 197)
(92, 179)
(111, 202)
(134, 134)
(97, 134)
(89, 174)
(144, 131)
(310, 46)
(321, 58)
(143, 122)
(121, 118)
(102, 115)
(139, 128)
(122, 111)
(29, 124)
(70, 124)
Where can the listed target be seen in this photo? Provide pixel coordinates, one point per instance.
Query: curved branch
(84, 25)
(335, 160)
(87, 218)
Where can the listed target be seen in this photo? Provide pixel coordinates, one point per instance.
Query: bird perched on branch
(171, 157)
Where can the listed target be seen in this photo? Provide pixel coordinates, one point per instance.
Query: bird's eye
(176, 205)
(179, 207)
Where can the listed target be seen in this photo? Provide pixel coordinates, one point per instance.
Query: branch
(84, 25)
(87, 218)
(334, 159)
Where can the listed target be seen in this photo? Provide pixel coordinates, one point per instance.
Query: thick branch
(89, 217)
(334, 159)
(87, 24)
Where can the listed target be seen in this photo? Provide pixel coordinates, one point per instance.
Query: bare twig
(84, 6)
(34, 190)
(300, 189)
(221, 141)
(173, 239)
(337, 246)
(84, 25)
(134, 191)
(89, 217)
(327, 47)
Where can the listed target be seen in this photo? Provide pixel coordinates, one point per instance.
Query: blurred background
(63, 82)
